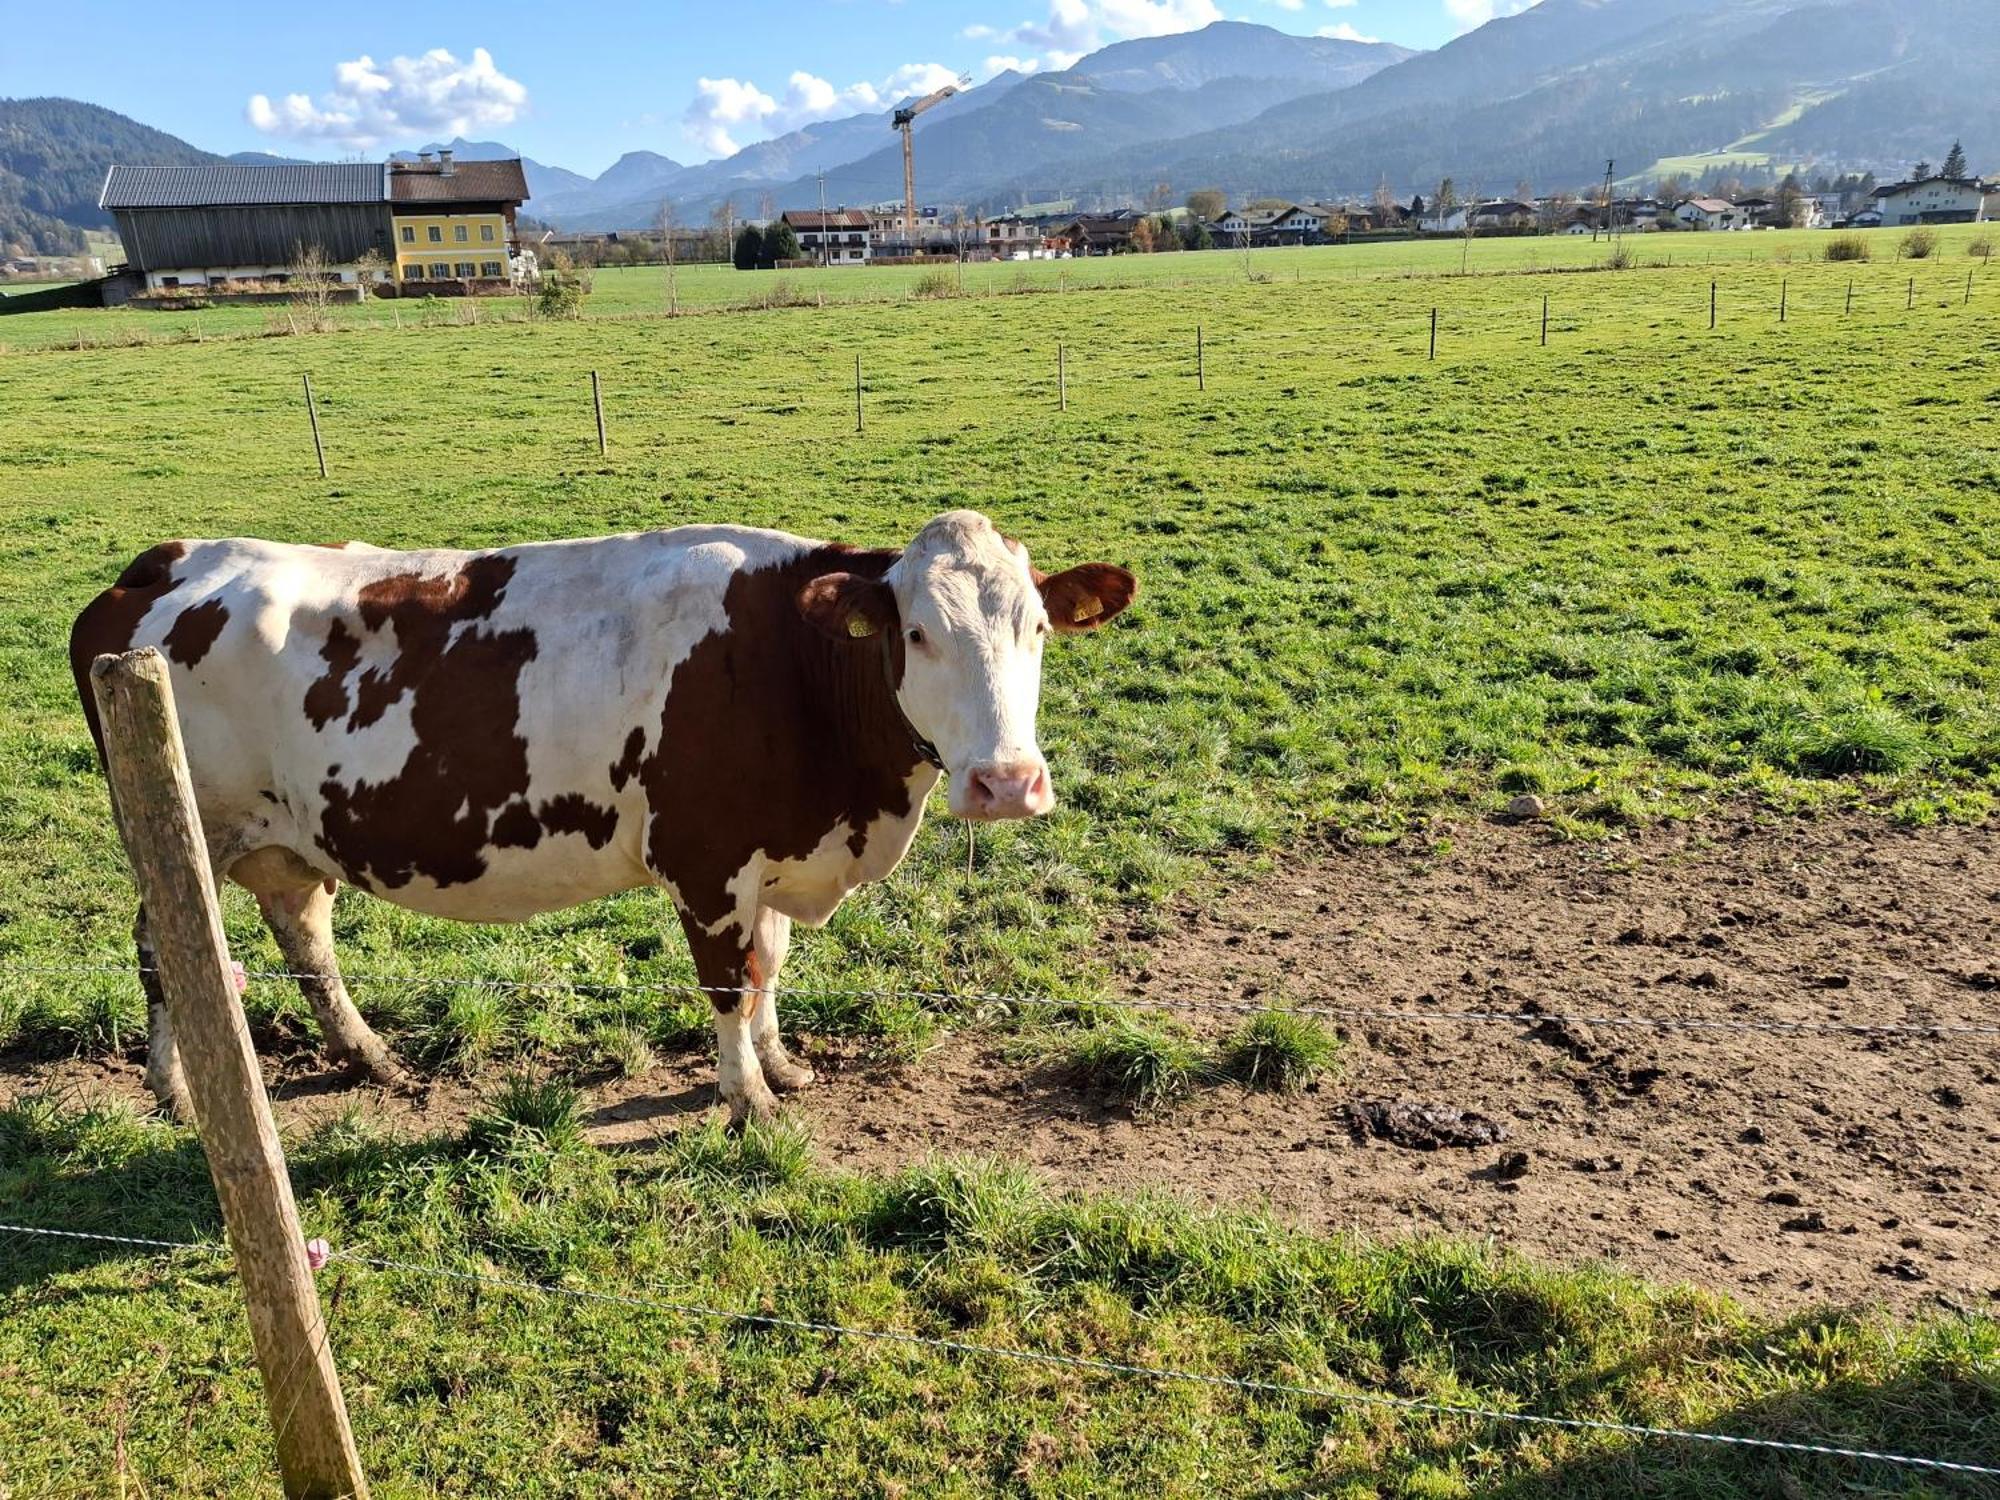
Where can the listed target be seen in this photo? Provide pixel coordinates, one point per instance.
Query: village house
(840, 237)
(1095, 234)
(1503, 213)
(1011, 237)
(447, 225)
(1936, 200)
(1710, 213)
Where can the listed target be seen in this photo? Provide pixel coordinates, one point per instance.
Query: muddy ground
(1788, 1169)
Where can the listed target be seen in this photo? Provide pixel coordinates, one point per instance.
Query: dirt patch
(1785, 1168)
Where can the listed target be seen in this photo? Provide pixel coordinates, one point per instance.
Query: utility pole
(822, 221)
(1609, 164)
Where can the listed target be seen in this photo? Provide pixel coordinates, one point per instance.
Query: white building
(837, 238)
(1935, 200)
(1710, 213)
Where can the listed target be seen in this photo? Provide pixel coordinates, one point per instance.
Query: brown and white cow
(750, 719)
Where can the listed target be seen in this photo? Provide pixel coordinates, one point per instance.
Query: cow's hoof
(748, 1109)
(372, 1064)
(785, 1075)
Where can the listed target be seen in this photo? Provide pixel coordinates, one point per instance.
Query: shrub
(1980, 247)
(1919, 244)
(1621, 258)
(1149, 1065)
(561, 295)
(1847, 247)
(935, 284)
(1278, 1050)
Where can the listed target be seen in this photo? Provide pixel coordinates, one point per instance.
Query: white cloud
(1289, 4)
(1473, 13)
(726, 113)
(1001, 63)
(404, 100)
(1339, 4)
(1345, 32)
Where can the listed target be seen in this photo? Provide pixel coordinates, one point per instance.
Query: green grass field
(1645, 567)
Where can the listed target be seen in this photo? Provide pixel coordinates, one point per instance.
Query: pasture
(1639, 571)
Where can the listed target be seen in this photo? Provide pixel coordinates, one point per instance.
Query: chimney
(444, 163)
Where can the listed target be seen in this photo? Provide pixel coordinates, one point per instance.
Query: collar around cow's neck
(926, 751)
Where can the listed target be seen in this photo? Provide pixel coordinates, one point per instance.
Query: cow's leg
(302, 922)
(725, 962)
(165, 1079)
(773, 941)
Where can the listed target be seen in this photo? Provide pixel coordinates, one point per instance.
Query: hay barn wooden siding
(166, 239)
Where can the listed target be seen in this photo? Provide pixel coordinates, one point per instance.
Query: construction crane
(902, 120)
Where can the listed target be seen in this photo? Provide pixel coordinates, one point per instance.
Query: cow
(749, 719)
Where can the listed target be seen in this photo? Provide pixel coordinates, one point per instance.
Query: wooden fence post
(597, 400)
(312, 415)
(1200, 361)
(1850, 298)
(1784, 290)
(857, 393)
(1968, 288)
(154, 803)
(1545, 320)
(1711, 304)
(1910, 298)
(1434, 334)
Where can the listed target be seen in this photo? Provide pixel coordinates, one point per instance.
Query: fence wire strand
(1086, 1363)
(981, 999)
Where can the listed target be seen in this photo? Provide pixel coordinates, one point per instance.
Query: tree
(1142, 237)
(1161, 197)
(1335, 227)
(1524, 191)
(1921, 172)
(1165, 235)
(1385, 202)
(1416, 205)
(1791, 201)
(1195, 235)
(1954, 161)
(749, 248)
(311, 282)
(663, 222)
(780, 243)
(1671, 188)
(1208, 204)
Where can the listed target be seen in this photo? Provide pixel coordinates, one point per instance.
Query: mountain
(542, 178)
(1550, 94)
(53, 157)
(1233, 49)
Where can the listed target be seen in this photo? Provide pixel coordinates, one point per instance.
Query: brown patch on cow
(1085, 596)
(107, 625)
(435, 816)
(572, 812)
(195, 631)
(626, 766)
(772, 734)
(326, 699)
(517, 827)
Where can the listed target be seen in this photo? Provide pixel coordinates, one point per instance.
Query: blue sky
(576, 85)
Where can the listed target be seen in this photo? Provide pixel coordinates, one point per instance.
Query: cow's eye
(916, 636)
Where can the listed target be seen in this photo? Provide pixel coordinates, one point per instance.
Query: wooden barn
(209, 226)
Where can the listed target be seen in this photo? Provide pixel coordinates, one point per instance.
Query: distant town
(432, 226)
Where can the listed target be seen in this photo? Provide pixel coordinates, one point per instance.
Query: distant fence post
(1545, 320)
(1910, 297)
(857, 393)
(1968, 288)
(597, 400)
(153, 799)
(1711, 304)
(1434, 334)
(1850, 298)
(312, 416)
(1200, 361)
(1784, 291)
(1062, 379)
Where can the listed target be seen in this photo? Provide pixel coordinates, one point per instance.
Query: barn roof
(231, 184)
(466, 182)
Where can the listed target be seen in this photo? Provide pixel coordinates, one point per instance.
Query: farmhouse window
(490, 268)
(413, 273)
(466, 268)
(486, 233)
(437, 235)
(440, 271)
(409, 234)
(458, 233)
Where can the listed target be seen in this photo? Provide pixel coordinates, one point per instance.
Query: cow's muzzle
(1000, 790)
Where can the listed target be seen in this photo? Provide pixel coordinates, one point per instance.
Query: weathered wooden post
(1784, 290)
(597, 400)
(1968, 288)
(1711, 304)
(1434, 334)
(1545, 320)
(1200, 361)
(857, 393)
(1849, 308)
(312, 416)
(153, 800)
(1910, 297)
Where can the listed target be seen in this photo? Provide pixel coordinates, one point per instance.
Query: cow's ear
(1085, 596)
(846, 606)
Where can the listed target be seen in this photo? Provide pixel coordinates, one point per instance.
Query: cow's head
(969, 616)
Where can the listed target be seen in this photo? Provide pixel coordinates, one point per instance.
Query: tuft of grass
(527, 1110)
(1918, 244)
(1279, 1051)
(764, 1153)
(623, 1048)
(1148, 1063)
(1846, 247)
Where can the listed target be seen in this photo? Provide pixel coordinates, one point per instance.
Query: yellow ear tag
(860, 627)
(1087, 608)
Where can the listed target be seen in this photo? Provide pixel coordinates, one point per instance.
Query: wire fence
(1158, 1374)
(978, 1001)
